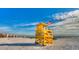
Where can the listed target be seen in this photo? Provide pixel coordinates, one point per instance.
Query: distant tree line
(4, 35)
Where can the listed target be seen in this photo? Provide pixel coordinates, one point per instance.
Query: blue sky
(24, 20)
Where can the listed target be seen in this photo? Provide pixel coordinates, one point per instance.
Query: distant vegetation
(4, 35)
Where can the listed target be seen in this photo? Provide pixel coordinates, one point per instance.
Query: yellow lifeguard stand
(44, 36)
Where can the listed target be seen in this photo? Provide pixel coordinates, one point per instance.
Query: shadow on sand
(19, 44)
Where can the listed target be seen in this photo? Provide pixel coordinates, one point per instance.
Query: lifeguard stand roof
(43, 24)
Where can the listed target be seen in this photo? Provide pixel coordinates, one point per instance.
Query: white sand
(16, 40)
(28, 44)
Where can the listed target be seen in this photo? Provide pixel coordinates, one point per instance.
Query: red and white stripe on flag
(49, 23)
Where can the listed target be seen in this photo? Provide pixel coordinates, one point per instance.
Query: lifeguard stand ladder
(44, 36)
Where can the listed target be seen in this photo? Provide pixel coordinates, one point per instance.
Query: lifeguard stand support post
(44, 36)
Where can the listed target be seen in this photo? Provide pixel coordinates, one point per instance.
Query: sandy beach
(29, 44)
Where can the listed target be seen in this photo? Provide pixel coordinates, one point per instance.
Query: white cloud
(28, 24)
(69, 24)
(66, 15)
(27, 29)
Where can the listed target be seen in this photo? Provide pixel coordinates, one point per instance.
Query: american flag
(49, 23)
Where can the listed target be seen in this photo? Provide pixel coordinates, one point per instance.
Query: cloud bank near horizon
(69, 24)
(28, 24)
